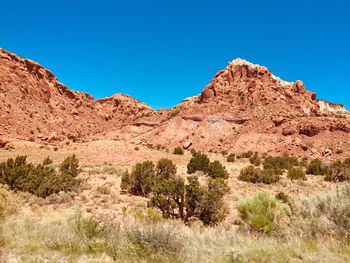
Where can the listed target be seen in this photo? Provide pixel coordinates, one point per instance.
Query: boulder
(186, 145)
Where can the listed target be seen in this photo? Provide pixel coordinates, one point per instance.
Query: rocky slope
(34, 104)
(244, 107)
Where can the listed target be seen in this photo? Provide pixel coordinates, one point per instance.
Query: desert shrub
(173, 197)
(174, 112)
(178, 151)
(150, 238)
(104, 189)
(136, 148)
(41, 180)
(168, 197)
(89, 227)
(261, 212)
(217, 170)
(250, 174)
(165, 168)
(327, 215)
(47, 161)
(206, 203)
(231, 158)
(212, 209)
(270, 176)
(280, 162)
(338, 172)
(246, 155)
(176, 200)
(126, 181)
(70, 166)
(316, 167)
(286, 199)
(256, 175)
(283, 197)
(255, 159)
(9, 202)
(149, 215)
(198, 162)
(111, 170)
(141, 178)
(146, 176)
(296, 173)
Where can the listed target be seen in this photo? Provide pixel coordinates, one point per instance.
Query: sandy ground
(103, 163)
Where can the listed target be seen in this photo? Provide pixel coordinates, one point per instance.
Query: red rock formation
(244, 107)
(34, 104)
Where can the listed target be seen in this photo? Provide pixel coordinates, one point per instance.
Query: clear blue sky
(163, 51)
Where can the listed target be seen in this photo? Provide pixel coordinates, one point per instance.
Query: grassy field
(100, 223)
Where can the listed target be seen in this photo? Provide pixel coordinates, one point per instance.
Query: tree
(217, 170)
(70, 166)
(198, 162)
(41, 180)
(173, 197)
(142, 178)
(316, 167)
(169, 196)
(165, 168)
(212, 209)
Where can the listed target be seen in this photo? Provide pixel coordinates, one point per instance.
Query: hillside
(244, 108)
(34, 104)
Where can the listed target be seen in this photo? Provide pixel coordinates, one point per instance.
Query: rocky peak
(245, 85)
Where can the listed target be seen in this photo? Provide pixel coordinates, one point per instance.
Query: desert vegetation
(42, 180)
(185, 217)
(175, 198)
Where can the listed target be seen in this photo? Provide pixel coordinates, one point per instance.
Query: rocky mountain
(247, 108)
(244, 107)
(34, 104)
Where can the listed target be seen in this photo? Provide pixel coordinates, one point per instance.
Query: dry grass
(46, 230)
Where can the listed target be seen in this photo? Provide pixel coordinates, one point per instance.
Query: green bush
(327, 215)
(70, 166)
(256, 175)
(217, 170)
(145, 176)
(316, 167)
(212, 209)
(246, 155)
(255, 159)
(173, 197)
(231, 158)
(296, 173)
(47, 161)
(261, 212)
(198, 162)
(280, 162)
(141, 179)
(338, 172)
(165, 168)
(178, 151)
(41, 180)
(270, 176)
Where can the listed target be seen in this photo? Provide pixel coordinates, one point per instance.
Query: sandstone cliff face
(244, 107)
(331, 108)
(35, 104)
